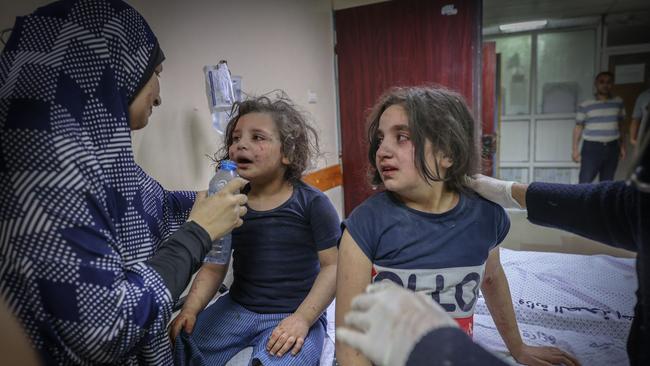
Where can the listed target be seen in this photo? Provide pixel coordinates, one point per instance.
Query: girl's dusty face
(395, 156)
(257, 149)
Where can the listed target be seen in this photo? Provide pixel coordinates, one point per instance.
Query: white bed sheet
(580, 303)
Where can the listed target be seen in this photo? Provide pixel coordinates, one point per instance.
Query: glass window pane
(565, 70)
(514, 141)
(554, 140)
(556, 175)
(514, 174)
(515, 73)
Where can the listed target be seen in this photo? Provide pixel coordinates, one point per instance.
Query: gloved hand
(495, 190)
(389, 321)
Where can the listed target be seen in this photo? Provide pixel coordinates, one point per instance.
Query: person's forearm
(179, 256)
(606, 212)
(320, 295)
(353, 275)
(577, 134)
(205, 286)
(498, 300)
(622, 133)
(634, 129)
(518, 192)
(346, 355)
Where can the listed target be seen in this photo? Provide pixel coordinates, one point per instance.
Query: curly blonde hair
(299, 139)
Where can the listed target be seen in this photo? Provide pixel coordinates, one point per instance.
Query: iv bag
(219, 90)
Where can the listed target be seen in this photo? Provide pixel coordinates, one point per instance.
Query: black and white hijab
(79, 217)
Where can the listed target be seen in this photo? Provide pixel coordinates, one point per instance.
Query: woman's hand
(221, 212)
(185, 320)
(504, 193)
(291, 332)
(387, 321)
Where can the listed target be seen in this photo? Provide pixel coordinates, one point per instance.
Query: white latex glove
(389, 321)
(495, 190)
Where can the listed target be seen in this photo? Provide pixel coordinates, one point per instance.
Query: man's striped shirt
(601, 119)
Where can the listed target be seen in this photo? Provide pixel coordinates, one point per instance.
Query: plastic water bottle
(220, 252)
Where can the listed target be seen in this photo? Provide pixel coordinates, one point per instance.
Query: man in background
(598, 123)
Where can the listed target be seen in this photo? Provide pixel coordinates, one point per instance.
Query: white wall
(524, 235)
(280, 44)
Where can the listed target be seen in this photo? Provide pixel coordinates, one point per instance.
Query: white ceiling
(497, 12)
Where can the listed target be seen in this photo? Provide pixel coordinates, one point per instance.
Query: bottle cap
(228, 165)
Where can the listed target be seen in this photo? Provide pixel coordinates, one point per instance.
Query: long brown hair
(439, 116)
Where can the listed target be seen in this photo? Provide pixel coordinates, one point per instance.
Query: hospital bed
(581, 303)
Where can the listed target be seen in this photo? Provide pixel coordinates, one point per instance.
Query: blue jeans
(598, 159)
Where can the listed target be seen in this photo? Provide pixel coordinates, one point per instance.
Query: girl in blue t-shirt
(427, 231)
(284, 255)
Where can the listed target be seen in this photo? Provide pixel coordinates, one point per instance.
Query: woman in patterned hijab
(88, 261)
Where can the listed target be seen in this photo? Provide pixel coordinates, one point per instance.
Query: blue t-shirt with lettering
(442, 255)
(275, 257)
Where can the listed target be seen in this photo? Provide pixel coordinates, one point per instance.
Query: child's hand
(291, 332)
(185, 321)
(534, 356)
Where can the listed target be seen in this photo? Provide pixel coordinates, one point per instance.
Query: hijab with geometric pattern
(79, 217)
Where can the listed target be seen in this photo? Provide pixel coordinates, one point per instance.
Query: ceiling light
(523, 26)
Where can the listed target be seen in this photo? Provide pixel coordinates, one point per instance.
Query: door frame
(606, 52)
